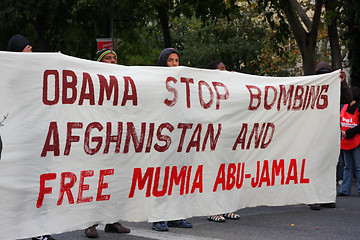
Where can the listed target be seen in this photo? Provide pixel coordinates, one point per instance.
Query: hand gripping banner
(85, 142)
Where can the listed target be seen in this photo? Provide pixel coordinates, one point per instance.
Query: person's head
(169, 57)
(19, 43)
(106, 55)
(322, 67)
(355, 93)
(217, 64)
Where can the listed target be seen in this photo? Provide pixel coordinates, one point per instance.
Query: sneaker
(160, 226)
(315, 206)
(340, 194)
(328, 205)
(91, 232)
(116, 228)
(179, 224)
(44, 237)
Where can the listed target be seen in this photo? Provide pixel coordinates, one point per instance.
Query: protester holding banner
(19, 43)
(345, 97)
(170, 57)
(345, 93)
(107, 56)
(219, 65)
(350, 143)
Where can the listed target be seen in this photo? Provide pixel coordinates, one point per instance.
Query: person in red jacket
(350, 143)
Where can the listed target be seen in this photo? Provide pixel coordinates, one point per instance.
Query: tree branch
(302, 14)
(294, 22)
(316, 21)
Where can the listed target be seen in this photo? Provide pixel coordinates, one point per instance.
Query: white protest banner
(85, 142)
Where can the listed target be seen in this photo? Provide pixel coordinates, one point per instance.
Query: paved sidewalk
(281, 223)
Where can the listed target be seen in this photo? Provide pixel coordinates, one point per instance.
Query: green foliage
(143, 48)
(235, 42)
(272, 11)
(58, 25)
(279, 63)
(202, 31)
(351, 19)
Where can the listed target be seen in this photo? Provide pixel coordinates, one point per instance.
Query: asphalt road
(285, 222)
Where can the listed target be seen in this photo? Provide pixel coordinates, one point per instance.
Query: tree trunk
(43, 44)
(164, 22)
(336, 59)
(308, 54)
(306, 40)
(335, 46)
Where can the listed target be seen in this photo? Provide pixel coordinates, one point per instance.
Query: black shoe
(315, 206)
(328, 205)
(340, 194)
(116, 228)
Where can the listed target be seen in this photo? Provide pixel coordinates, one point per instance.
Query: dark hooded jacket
(164, 55)
(345, 94)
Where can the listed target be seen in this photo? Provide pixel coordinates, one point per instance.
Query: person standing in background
(350, 143)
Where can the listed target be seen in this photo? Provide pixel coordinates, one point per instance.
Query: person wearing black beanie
(19, 43)
(169, 57)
